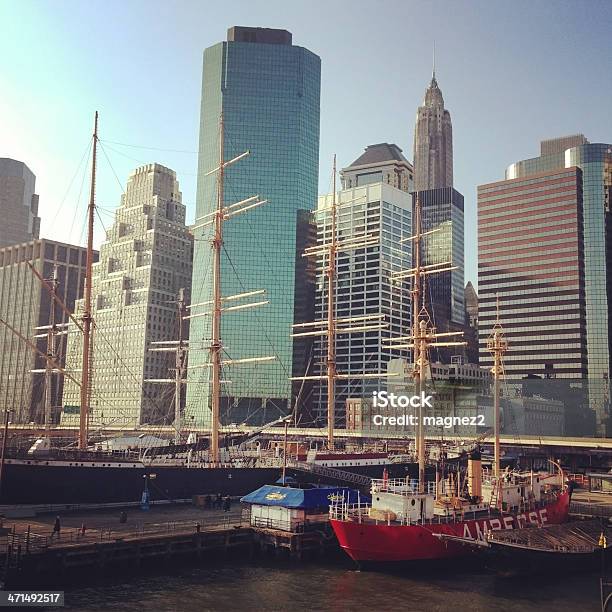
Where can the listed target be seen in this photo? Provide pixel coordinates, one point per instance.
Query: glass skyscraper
(442, 210)
(269, 93)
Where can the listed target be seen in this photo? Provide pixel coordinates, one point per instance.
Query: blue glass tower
(269, 93)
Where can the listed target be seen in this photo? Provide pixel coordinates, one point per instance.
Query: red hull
(393, 543)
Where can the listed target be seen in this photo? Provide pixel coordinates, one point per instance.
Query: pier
(31, 554)
(96, 541)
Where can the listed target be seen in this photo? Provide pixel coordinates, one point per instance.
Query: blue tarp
(288, 497)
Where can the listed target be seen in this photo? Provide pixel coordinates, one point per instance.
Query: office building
(268, 91)
(364, 286)
(26, 306)
(380, 163)
(144, 261)
(433, 142)
(18, 203)
(442, 214)
(544, 248)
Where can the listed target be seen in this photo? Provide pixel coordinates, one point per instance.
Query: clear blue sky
(511, 73)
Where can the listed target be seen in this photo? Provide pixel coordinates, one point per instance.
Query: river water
(275, 586)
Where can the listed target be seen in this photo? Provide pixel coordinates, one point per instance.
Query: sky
(512, 73)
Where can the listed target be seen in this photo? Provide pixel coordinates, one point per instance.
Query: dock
(97, 542)
(31, 555)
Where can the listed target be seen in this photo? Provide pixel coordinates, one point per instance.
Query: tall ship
(223, 462)
(416, 520)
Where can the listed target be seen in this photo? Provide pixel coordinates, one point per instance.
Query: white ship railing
(401, 486)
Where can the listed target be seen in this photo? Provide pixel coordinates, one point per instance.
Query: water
(277, 586)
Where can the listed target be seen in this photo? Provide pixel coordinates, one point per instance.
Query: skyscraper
(544, 247)
(442, 209)
(380, 163)
(433, 142)
(268, 91)
(18, 203)
(144, 261)
(442, 214)
(364, 286)
(26, 305)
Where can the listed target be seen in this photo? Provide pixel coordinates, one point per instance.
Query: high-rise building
(545, 249)
(442, 210)
(18, 203)
(470, 298)
(26, 306)
(268, 91)
(380, 163)
(433, 142)
(144, 262)
(364, 286)
(442, 214)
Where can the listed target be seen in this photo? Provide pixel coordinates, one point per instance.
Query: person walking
(56, 527)
(227, 502)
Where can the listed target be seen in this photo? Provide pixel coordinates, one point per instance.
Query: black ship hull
(62, 482)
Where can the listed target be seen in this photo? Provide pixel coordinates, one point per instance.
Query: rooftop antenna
(433, 71)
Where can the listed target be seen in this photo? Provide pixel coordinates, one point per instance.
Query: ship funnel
(475, 473)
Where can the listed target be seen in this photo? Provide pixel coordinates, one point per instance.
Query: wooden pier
(93, 544)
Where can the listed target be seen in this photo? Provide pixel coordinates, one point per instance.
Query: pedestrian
(208, 502)
(83, 529)
(198, 527)
(219, 501)
(227, 502)
(123, 517)
(56, 527)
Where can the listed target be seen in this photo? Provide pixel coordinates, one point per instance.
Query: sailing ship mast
(51, 332)
(329, 326)
(497, 345)
(424, 334)
(179, 348)
(87, 318)
(216, 219)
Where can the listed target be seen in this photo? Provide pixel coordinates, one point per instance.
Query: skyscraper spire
(433, 71)
(433, 139)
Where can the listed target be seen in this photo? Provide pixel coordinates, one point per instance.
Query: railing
(29, 541)
(402, 486)
(335, 473)
(341, 511)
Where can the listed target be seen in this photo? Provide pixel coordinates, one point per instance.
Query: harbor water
(275, 586)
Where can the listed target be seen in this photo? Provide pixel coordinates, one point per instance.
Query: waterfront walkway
(105, 525)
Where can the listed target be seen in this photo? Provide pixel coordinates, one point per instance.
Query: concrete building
(269, 93)
(544, 248)
(433, 142)
(364, 286)
(144, 261)
(25, 305)
(18, 203)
